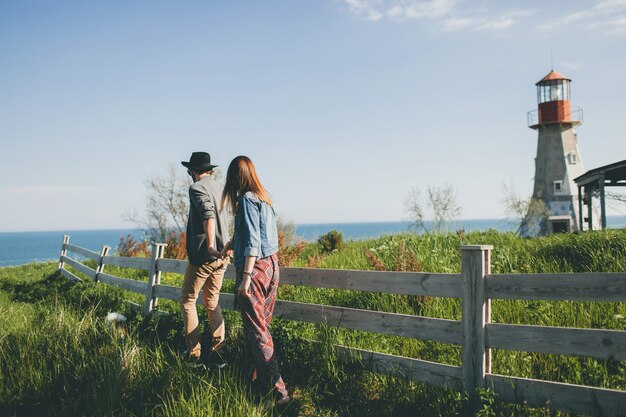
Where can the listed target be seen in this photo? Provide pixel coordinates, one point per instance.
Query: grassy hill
(59, 356)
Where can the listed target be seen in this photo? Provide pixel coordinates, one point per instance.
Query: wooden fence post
(104, 252)
(154, 277)
(66, 240)
(475, 266)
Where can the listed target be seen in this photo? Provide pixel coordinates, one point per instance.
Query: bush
(175, 249)
(289, 246)
(331, 241)
(129, 247)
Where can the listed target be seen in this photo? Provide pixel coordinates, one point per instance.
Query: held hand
(226, 250)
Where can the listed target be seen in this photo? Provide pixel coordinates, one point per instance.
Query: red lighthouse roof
(553, 75)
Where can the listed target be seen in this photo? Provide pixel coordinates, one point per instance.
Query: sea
(18, 248)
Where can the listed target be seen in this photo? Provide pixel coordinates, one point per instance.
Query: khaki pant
(208, 278)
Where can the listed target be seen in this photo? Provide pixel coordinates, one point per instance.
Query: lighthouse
(558, 159)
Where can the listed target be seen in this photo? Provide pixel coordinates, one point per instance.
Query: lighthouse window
(571, 158)
(554, 90)
(558, 186)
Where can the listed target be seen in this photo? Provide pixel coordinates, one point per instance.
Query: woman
(255, 244)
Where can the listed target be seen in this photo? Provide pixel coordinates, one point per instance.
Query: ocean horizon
(18, 248)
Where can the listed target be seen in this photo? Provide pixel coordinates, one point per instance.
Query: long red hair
(241, 177)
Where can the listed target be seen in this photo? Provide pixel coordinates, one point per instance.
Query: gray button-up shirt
(204, 203)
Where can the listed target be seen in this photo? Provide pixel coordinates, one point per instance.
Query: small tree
(167, 205)
(331, 241)
(167, 209)
(530, 212)
(441, 203)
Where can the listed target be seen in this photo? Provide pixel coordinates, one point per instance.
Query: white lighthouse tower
(558, 159)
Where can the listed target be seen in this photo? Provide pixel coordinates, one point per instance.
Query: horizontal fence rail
(601, 344)
(432, 373)
(122, 262)
(409, 283)
(475, 286)
(558, 287)
(578, 399)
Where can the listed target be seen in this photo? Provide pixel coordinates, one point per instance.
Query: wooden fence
(476, 286)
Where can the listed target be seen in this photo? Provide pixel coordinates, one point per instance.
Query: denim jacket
(256, 233)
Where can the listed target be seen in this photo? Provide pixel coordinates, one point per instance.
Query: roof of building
(613, 174)
(553, 75)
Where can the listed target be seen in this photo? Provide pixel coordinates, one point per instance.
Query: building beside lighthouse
(558, 159)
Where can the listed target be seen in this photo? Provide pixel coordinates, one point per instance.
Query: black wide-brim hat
(199, 161)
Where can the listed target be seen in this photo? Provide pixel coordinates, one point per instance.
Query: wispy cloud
(497, 22)
(612, 26)
(447, 13)
(399, 9)
(605, 16)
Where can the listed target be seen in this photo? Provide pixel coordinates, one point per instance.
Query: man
(207, 231)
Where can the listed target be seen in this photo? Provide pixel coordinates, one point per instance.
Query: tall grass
(58, 356)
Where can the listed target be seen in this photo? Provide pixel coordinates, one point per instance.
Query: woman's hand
(245, 285)
(248, 271)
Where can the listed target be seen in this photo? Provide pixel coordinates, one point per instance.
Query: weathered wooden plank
(432, 373)
(79, 267)
(603, 344)
(572, 287)
(67, 274)
(154, 277)
(66, 240)
(100, 267)
(578, 399)
(178, 266)
(85, 252)
(173, 293)
(424, 328)
(412, 283)
(125, 262)
(476, 261)
(167, 292)
(128, 284)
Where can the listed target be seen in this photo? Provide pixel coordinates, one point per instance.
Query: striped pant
(257, 308)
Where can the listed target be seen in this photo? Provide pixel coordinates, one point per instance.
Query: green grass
(59, 357)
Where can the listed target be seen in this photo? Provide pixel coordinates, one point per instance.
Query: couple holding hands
(255, 247)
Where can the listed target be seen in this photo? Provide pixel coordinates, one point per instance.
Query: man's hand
(226, 251)
(215, 254)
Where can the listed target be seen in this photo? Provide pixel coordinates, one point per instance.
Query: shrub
(331, 241)
(175, 249)
(289, 247)
(129, 247)
(176, 245)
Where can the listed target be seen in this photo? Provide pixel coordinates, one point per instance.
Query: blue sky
(344, 105)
